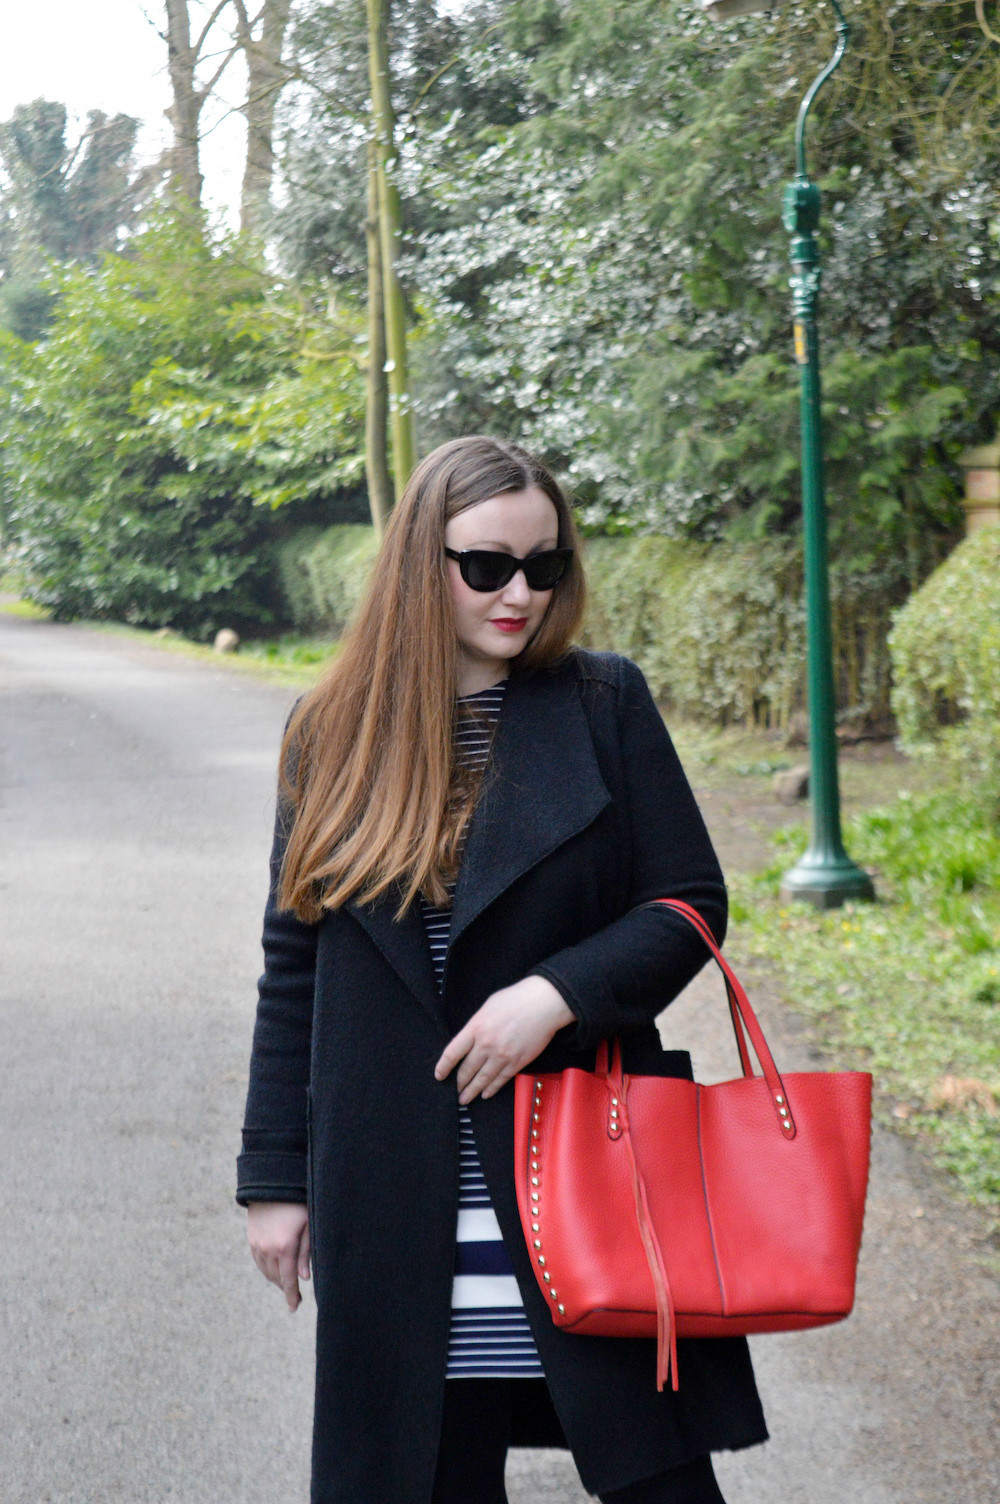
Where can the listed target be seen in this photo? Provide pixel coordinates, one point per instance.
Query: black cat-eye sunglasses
(489, 569)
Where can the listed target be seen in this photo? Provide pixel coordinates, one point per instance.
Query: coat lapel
(543, 787)
(403, 942)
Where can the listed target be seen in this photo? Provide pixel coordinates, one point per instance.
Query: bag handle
(620, 1126)
(741, 1012)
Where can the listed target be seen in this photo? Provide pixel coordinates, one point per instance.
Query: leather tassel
(666, 1324)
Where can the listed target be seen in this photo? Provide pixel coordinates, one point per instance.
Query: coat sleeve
(624, 975)
(272, 1166)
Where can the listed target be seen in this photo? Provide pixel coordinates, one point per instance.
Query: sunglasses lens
(485, 570)
(545, 570)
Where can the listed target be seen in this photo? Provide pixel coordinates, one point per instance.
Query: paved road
(141, 1356)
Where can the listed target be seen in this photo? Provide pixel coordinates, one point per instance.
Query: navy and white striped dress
(490, 1336)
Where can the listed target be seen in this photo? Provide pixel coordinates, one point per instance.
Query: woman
(455, 895)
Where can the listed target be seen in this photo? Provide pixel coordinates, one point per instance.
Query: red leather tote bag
(660, 1207)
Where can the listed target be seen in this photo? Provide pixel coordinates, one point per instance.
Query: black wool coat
(585, 814)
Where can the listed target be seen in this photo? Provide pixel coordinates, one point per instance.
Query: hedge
(323, 573)
(718, 630)
(945, 646)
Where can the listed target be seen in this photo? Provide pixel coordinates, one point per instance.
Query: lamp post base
(826, 882)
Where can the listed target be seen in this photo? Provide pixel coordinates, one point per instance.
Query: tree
(184, 53)
(377, 402)
(610, 275)
(62, 201)
(179, 399)
(389, 220)
(261, 39)
(335, 147)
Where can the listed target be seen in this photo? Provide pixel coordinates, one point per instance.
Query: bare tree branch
(217, 12)
(981, 18)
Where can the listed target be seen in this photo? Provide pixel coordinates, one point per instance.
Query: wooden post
(377, 404)
(390, 235)
(981, 501)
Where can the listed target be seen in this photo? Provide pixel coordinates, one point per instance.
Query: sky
(106, 54)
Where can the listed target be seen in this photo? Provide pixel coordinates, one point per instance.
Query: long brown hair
(367, 767)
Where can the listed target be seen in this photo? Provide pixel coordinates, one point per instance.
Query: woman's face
(495, 626)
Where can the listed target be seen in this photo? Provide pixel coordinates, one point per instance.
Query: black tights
(475, 1435)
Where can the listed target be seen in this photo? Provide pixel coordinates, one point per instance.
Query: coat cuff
(263, 1176)
(591, 1016)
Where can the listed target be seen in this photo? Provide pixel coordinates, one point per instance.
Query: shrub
(147, 440)
(323, 574)
(719, 630)
(945, 647)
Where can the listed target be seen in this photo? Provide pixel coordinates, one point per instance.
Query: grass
(717, 758)
(304, 657)
(293, 661)
(908, 987)
(25, 609)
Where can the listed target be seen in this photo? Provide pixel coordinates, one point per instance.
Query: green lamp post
(825, 875)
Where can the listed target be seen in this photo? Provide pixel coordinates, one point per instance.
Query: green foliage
(607, 279)
(178, 390)
(453, 78)
(61, 202)
(719, 630)
(912, 983)
(324, 573)
(597, 267)
(945, 647)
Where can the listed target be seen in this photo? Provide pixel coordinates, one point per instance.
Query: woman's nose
(516, 592)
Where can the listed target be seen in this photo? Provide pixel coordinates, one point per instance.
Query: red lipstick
(509, 623)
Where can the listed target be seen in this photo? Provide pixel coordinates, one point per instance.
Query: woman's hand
(279, 1241)
(509, 1031)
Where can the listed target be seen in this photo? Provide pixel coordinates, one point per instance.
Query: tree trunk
(265, 77)
(185, 170)
(376, 409)
(390, 234)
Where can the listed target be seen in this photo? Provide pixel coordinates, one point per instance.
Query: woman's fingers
(279, 1241)
(454, 1052)
(288, 1278)
(510, 1030)
(485, 1069)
